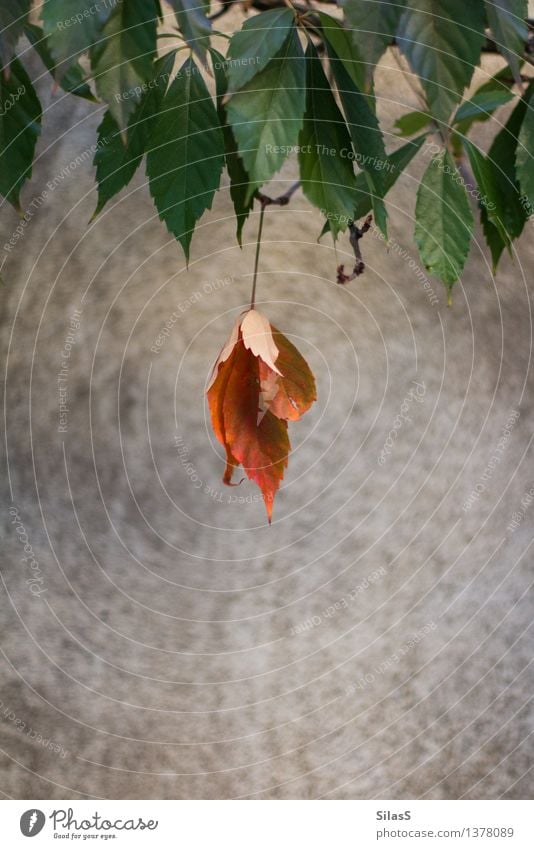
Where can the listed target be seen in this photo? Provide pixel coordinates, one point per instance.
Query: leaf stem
(265, 200)
(256, 260)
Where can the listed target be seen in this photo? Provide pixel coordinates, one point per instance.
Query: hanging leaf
(122, 60)
(186, 154)
(267, 113)
(117, 162)
(326, 170)
(259, 382)
(73, 28)
(443, 220)
(73, 81)
(487, 176)
(20, 125)
(373, 26)
(13, 17)
(507, 20)
(296, 390)
(396, 163)
(525, 153)
(239, 179)
(194, 24)
(252, 47)
(366, 137)
(442, 42)
(502, 154)
(341, 41)
(493, 238)
(496, 174)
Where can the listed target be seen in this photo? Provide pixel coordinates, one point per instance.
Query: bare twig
(355, 234)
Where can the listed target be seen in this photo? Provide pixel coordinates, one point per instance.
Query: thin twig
(265, 201)
(355, 234)
(257, 258)
(281, 200)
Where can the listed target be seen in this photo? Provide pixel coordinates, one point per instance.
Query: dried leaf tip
(257, 336)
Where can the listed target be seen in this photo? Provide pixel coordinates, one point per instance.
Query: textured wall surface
(374, 642)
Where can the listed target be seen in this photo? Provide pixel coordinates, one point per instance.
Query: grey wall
(162, 649)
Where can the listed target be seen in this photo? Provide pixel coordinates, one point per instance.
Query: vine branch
(355, 234)
(281, 200)
(264, 5)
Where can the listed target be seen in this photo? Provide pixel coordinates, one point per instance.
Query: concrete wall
(374, 642)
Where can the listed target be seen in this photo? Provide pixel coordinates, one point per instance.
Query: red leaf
(259, 382)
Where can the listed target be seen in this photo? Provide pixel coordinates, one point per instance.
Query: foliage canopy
(295, 80)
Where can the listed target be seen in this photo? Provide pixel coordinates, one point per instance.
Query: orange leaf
(296, 391)
(259, 382)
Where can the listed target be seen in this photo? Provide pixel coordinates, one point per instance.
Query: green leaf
(194, 25)
(266, 114)
(252, 48)
(493, 238)
(502, 80)
(512, 208)
(186, 154)
(379, 207)
(122, 61)
(326, 169)
(373, 24)
(342, 43)
(481, 106)
(497, 173)
(487, 177)
(440, 49)
(362, 122)
(20, 125)
(396, 163)
(497, 178)
(72, 27)
(443, 220)
(239, 182)
(239, 179)
(73, 81)
(507, 20)
(488, 97)
(412, 123)
(366, 137)
(13, 17)
(524, 156)
(116, 162)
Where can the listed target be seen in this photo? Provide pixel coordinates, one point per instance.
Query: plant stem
(256, 260)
